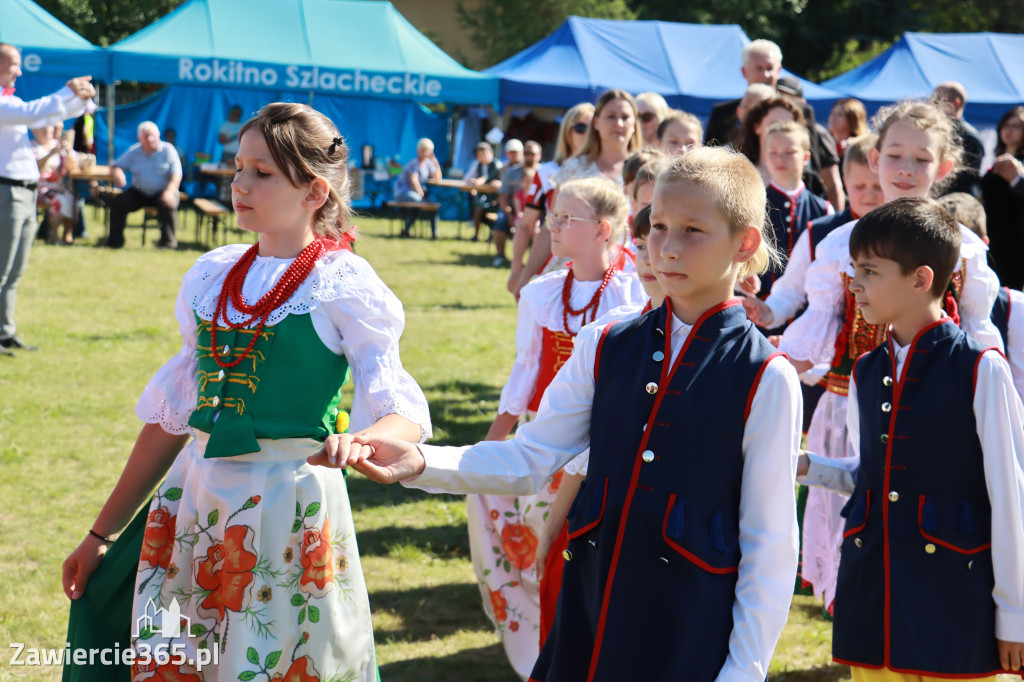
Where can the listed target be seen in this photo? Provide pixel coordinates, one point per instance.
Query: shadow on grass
(455, 410)
(427, 613)
(812, 610)
(365, 494)
(447, 542)
(484, 664)
(826, 673)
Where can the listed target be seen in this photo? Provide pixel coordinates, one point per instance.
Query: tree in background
(500, 28)
(104, 22)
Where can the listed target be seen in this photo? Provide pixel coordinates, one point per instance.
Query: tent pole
(111, 87)
(310, 98)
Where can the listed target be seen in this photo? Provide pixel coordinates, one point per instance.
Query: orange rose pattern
(317, 561)
(301, 670)
(556, 481)
(169, 672)
(158, 540)
(520, 544)
(227, 571)
(499, 605)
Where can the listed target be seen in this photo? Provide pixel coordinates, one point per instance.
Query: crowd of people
(694, 304)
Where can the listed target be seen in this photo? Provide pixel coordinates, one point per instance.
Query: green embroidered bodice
(288, 387)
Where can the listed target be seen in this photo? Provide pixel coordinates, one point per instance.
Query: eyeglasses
(648, 116)
(580, 128)
(563, 221)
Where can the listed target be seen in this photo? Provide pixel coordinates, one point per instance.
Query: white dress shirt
(17, 161)
(1000, 424)
(767, 515)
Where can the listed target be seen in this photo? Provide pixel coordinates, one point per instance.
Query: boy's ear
(319, 190)
(873, 157)
(750, 242)
(807, 157)
(924, 276)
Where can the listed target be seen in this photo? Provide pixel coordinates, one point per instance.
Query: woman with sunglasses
(571, 134)
(588, 217)
(613, 135)
(651, 109)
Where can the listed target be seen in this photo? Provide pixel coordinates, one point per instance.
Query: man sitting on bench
(156, 174)
(410, 185)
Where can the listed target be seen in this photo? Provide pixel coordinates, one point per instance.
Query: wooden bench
(208, 212)
(425, 211)
(152, 212)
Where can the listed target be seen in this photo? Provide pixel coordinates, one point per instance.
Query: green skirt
(102, 617)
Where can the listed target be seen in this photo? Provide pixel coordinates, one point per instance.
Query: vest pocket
(856, 512)
(587, 509)
(705, 536)
(958, 525)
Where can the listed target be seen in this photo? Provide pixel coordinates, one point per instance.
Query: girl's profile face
(615, 123)
(263, 196)
(645, 271)
(908, 161)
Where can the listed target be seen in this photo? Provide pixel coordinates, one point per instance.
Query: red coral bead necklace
(591, 306)
(289, 283)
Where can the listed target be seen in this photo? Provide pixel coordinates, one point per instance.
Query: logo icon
(166, 622)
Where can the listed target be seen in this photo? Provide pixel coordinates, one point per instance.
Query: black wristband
(100, 537)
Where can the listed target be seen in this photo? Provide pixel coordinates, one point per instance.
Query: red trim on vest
(947, 545)
(692, 558)
(978, 362)
(867, 509)
(600, 345)
(925, 673)
(810, 239)
(604, 499)
(757, 382)
(666, 378)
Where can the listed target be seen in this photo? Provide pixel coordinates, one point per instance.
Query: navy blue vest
(649, 585)
(789, 220)
(1001, 316)
(819, 228)
(915, 580)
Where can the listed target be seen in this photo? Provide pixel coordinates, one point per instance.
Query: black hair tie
(334, 146)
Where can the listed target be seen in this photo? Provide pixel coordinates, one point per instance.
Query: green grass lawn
(105, 323)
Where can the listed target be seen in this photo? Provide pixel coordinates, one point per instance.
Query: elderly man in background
(19, 177)
(156, 174)
(953, 97)
(762, 62)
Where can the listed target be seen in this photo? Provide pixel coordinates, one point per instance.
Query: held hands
(384, 460)
(81, 564)
(1011, 654)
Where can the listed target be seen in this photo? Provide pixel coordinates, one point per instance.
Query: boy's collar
(792, 194)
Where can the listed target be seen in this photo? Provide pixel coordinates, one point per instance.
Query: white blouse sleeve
(1000, 422)
(769, 539)
(522, 381)
(170, 396)
(521, 466)
(788, 292)
(370, 320)
(980, 289)
(1015, 340)
(812, 335)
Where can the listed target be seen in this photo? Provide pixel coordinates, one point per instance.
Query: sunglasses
(648, 116)
(580, 128)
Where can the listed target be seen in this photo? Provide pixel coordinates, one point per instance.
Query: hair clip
(334, 145)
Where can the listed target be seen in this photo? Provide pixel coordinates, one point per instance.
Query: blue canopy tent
(330, 47)
(987, 64)
(692, 66)
(51, 53)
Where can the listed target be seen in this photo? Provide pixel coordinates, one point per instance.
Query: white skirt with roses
(503, 533)
(258, 552)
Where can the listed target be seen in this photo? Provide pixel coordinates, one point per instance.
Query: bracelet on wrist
(102, 538)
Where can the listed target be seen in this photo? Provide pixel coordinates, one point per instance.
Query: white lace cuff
(811, 336)
(577, 466)
(170, 396)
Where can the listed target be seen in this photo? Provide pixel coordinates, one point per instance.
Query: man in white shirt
(19, 177)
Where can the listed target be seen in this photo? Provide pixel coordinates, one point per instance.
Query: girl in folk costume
(680, 565)
(915, 150)
(588, 216)
(554, 536)
(251, 544)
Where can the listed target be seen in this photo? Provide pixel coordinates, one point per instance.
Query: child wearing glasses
(588, 219)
